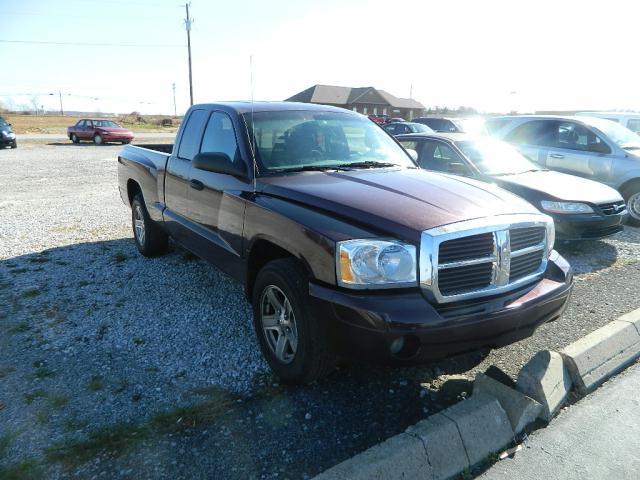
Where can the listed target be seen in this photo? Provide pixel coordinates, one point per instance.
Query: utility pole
(175, 112)
(187, 24)
(60, 96)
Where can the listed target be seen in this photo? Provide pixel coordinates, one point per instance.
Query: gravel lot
(93, 355)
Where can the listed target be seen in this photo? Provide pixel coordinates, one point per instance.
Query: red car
(99, 131)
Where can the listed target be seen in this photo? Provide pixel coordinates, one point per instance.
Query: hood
(559, 186)
(402, 202)
(114, 129)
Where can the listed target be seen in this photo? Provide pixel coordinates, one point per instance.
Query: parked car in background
(440, 124)
(398, 128)
(344, 246)
(99, 131)
(7, 135)
(580, 208)
(593, 148)
(379, 119)
(630, 120)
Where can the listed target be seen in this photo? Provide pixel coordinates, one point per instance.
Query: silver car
(593, 148)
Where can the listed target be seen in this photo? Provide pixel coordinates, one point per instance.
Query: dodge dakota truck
(344, 246)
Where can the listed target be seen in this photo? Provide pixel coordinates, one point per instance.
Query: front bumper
(117, 138)
(588, 227)
(364, 326)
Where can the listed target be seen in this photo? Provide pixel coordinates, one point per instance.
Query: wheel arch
(133, 188)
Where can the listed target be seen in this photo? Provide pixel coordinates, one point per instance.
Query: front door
(217, 200)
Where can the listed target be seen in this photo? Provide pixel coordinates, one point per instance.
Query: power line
(83, 44)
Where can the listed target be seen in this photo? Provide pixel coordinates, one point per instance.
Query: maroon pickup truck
(344, 246)
(99, 131)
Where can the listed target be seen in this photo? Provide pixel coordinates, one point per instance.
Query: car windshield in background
(308, 140)
(421, 128)
(621, 136)
(474, 126)
(105, 124)
(494, 157)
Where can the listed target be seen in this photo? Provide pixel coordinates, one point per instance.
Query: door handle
(196, 184)
(556, 155)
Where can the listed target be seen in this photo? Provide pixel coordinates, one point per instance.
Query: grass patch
(20, 328)
(6, 441)
(138, 341)
(26, 469)
(115, 439)
(119, 257)
(4, 285)
(31, 396)
(31, 292)
(38, 260)
(102, 331)
(73, 424)
(19, 270)
(57, 400)
(96, 383)
(42, 416)
(44, 372)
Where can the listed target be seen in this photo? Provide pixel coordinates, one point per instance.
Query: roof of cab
(247, 107)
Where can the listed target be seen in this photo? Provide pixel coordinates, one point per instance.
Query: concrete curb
(468, 432)
(603, 353)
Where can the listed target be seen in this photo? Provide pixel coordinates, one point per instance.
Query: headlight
(376, 264)
(565, 207)
(4, 132)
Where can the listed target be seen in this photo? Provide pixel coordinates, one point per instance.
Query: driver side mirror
(218, 162)
(599, 147)
(412, 153)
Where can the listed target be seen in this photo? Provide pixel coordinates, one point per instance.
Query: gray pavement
(25, 137)
(597, 438)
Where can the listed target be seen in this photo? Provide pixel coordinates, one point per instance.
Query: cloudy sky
(119, 55)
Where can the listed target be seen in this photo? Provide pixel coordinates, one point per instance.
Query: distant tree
(3, 108)
(35, 101)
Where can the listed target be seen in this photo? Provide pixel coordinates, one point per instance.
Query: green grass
(96, 383)
(19, 270)
(119, 257)
(44, 372)
(42, 416)
(38, 260)
(57, 400)
(6, 441)
(4, 371)
(20, 328)
(138, 341)
(72, 425)
(25, 470)
(31, 396)
(115, 439)
(31, 292)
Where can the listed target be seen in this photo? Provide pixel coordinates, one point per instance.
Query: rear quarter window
(192, 134)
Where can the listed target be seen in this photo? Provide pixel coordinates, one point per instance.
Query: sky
(495, 56)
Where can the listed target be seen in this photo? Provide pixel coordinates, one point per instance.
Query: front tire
(289, 333)
(632, 198)
(97, 139)
(150, 239)
(74, 138)
(14, 145)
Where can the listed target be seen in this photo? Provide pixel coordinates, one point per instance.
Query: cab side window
(220, 137)
(440, 157)
(537, 132)
(191, 135)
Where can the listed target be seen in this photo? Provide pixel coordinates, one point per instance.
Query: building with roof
(365, 100)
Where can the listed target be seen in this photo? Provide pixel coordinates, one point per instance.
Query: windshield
(494, 157)
(297, 140)
(621, 136)
(420, 128)
(105, 123)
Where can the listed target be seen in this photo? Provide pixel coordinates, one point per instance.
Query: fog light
(397, 345)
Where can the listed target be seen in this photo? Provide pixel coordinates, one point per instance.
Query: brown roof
(335, 95)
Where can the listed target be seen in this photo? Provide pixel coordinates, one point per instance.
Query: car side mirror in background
(218, 162)
(599, 147)
(412, 153)
(457, 168)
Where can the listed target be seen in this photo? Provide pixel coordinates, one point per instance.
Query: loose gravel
(93, 335)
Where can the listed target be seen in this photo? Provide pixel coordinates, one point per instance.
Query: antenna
(253, 132)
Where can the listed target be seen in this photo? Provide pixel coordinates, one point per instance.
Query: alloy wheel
(279, 324)
(138, 224)
(633, 204)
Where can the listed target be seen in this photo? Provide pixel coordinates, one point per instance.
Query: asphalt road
(597, 438)
(98, 312)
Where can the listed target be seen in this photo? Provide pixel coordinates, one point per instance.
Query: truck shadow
(155, 330)
(588, 256)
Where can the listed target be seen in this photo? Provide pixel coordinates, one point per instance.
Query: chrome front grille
(481, 257)
(612, 208)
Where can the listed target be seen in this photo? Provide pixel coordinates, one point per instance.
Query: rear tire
(281, 307)
(97, 139)
(631, 196)
(150, 239)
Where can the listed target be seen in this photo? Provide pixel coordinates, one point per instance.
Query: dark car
(99, 131)
(344, 246)
(399, 128)
(440, 124)
(580, 208)
(7, 136)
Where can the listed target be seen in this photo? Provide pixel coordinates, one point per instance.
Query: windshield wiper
(308, 168)
(369, 164)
